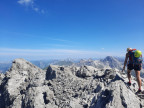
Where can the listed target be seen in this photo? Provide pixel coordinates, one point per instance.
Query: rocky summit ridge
(27, 86)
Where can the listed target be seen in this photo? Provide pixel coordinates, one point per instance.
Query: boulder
(84, 72)
(27, 86)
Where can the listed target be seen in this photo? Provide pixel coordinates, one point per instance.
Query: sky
(58, 29)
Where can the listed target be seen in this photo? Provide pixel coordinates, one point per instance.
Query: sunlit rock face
(27, 86)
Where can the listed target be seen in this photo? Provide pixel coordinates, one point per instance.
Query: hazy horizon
(9, 60)
(61, 29)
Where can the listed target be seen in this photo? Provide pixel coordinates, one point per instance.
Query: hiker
(133, 60)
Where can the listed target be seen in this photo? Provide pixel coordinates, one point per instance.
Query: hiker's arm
(125, 62)
(141, 63)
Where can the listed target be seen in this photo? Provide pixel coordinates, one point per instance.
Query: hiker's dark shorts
(135, 67)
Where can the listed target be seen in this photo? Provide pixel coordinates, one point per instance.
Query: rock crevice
(27, 86)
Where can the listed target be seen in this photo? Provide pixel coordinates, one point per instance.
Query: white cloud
(36, 9)
(32, 5)
(26, 2)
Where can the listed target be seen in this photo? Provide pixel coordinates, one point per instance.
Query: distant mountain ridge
(108, 62)
(112, 62)
(4, 67)
(44, 63)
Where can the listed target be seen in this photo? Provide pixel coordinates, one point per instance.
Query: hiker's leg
(129, 75)
(138, 78)
(129, 68)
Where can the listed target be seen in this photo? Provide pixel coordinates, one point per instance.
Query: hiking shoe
(138, 92)
(129, 83)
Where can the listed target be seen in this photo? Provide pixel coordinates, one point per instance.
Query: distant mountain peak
(109, 58)
(112, 62)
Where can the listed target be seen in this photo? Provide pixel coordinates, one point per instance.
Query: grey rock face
(84, 72)
(112, 62)
(24, 86)
(116, 95)
(50, 73)
(27, 86)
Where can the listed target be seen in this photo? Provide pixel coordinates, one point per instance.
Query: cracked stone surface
(27, 86)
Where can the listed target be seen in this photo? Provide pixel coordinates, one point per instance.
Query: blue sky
(45, 29)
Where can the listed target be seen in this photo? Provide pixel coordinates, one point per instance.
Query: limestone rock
(85, 71)
(24, 86)
(27, 86)
(116, 95)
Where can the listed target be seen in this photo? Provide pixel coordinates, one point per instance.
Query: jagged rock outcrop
(116, 95)
(85, 71)
(23, 86)
(27, 86)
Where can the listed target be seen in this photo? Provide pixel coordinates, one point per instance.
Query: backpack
(133, 59)
(131, 54)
